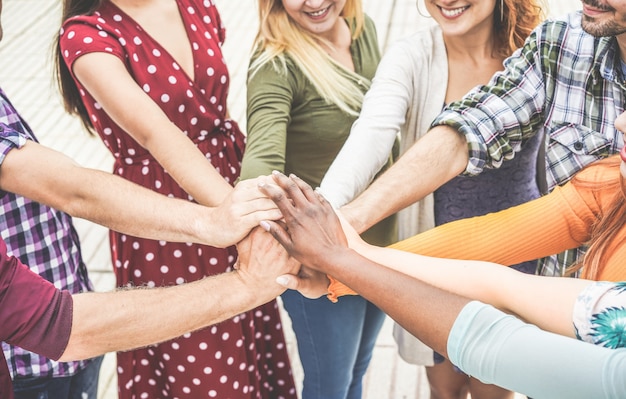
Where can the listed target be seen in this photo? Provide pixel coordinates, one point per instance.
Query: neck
(338, 35)
(477, 44)
(474, 52)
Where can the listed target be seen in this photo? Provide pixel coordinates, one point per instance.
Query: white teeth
(318, 13)
(453, 13)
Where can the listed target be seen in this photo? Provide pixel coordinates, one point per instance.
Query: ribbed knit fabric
(542, 227)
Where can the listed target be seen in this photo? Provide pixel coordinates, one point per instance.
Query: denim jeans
(82, 385)
(335, 342)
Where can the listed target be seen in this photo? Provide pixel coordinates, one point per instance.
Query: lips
(622, 153)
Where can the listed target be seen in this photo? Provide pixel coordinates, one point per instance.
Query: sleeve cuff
(337, 289)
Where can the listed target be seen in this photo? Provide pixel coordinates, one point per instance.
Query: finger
(253, 205)
(278, 196)
(306, 189)
(288, 281)
(279, 233)
(290, 187)
(304, 286)
(253, 219)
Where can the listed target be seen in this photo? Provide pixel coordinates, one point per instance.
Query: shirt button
(578, 146)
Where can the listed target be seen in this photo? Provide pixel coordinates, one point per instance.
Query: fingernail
(275, 172)
(282, 280)
(261, 184)
(264, 225)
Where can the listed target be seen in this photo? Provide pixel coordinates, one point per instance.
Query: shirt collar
(607, 63)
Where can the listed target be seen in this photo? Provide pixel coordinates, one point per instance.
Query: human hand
(310, 283)
(241, 211)
(262, 260)
(311, 231)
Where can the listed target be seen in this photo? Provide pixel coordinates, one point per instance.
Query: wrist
(352, 216)
(204, 229)
(256, 289)
(331, 263)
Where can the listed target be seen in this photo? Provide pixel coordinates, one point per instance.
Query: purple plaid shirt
(42, 238)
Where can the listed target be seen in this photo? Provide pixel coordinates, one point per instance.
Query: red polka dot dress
(244, 357)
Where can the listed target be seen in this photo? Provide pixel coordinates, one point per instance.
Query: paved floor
(30, 26)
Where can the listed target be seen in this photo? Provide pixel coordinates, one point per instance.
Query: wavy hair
(513, 21)
(280, 36)
(72, 101)
(604, 230)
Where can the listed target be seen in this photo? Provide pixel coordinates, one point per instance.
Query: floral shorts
(600, 314)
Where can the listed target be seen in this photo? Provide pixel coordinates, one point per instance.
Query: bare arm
(107, 80)
(435, 159)
(54, 179)
(314, 236)
(122, 320)
(550, 306)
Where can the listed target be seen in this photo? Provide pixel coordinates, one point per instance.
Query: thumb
(307, 287)
(288, 281)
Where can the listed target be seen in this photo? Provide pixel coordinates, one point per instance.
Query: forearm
(122, 320)
(106, 78)
(435, 159)
(360, 158)
(372, 135)
(494, 347)
(425, 311)
(542, 227)
(128, 208)
(54, 179)
(504, 288)
(187, 165)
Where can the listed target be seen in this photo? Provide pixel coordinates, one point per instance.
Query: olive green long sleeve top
(292, 129)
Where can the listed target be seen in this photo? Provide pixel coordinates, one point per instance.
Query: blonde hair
(280, 36)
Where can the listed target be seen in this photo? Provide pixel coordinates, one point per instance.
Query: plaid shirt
(42, 238)
(564, 84)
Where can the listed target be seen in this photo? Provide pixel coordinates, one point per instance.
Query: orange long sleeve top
(558, 221)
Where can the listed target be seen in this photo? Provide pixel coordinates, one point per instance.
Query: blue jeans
(335, 342)
(82, 385)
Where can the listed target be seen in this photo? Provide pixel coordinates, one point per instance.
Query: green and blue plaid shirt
(564, 84)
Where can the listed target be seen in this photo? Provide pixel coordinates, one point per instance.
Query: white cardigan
(407, 93)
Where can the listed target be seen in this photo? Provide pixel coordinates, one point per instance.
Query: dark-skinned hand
(311, 231)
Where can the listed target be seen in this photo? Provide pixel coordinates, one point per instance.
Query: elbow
(79, 349)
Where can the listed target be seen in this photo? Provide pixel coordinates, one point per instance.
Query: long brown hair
(513, 21)
(604, 230)
(72, 101)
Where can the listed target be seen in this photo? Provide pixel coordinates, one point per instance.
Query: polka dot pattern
(228, 360)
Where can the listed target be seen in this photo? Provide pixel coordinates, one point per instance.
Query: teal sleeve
(500, 349)
(269, 101)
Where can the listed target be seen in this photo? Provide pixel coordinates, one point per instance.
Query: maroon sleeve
(33, 313)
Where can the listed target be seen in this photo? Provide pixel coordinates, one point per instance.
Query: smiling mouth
(318, 13)
(453, 12)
